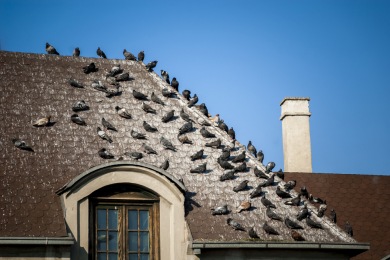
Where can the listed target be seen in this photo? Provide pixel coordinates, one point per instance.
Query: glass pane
(113, 219)
(102, 256)
(112, 256)
(113, 241)
(144, 220)
(144, 257)
(101, 218)
(144, 241)
(102, 240)
(133, 220)
(133, 257)
(133, 241)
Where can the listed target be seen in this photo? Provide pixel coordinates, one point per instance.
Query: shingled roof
(36, 85)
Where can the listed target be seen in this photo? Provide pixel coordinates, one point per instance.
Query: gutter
(44, 241)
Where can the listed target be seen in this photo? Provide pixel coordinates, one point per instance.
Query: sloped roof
(362, 200)
(35, 85)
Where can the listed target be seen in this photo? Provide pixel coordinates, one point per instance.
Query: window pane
(113, 241)
(102, 256)
(101, 240)
(133, 241)
(133, 219)
(113, 219)
(133, 257)
(144, 257)
(101, 218)
(144, 220)
(144, 241)
(112, 256)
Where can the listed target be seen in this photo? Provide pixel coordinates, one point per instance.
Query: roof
(36, 85)
(362, 200)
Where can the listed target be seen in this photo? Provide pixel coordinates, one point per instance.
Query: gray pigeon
(168, 116)
(123, 112)
(241, 168)
(108, 125)
(184, 139)
(167, 144)
(266, 202)
(165, 76)
(291, 224)
(156, 99)
(115, 71)
(273, 215)
(234, 224)
(225, 155)
(290, 185)
(103, 135)
(51, 50)
(269, 181)
(78, 120)
(220, 210)
(214, 144)
(76, 52)
(151, 65)
(80, 106)
(269, 230)
(303, 213)
(304, 192)
(141, 56)
(259, 173)
(228, 175)
(129, 55)
(90, 68)
(282, 194)
(147, 149)
(187, 127)
(134, 155)
(139, 95)
(311, 223)
(137, 135)
(193, 101)
(205, 133)
(166, 93)
(316, 199)
(186, 94)
(256, 192)
(198, 155)
(239, 158)
(203, 109)
(21, 144)
(252, 233)
(101, 53)
(165, 165)
(148, 127)
(242, 186)
(175, 84)
(321, 210)
(74, 83)
(105, 154)
(280, 174)
(123, 77)
(223, 126)
(225, 164)
(185, 116)
(269, 167)
(232, 133)
(148, 109)
(260, 156)
(294, 201)
(199, 169)
(251, 148)
(98, 85)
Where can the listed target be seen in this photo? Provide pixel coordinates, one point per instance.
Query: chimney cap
(294, 98)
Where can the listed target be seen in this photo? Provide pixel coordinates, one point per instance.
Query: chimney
(296, 134)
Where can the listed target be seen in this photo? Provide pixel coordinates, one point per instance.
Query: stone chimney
(296, 134)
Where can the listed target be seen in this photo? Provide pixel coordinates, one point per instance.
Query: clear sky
(243, 58)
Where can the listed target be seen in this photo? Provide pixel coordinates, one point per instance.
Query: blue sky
(243, 58)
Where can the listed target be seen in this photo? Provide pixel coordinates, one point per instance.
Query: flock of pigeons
(230, 164)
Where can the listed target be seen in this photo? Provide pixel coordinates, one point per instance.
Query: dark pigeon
(156, 99)
(273, 215)
(333, 216)
(187, 127)
(165, 165)
(105, 154)
(280, 174)
(80, 106)
(186, 94)
(108, 125)
(139, 95)
(167, 144)
(220, 210)
(269, 181)
(75, 83)
(304, 192)
(234, 224)
(90, 68)
(205, 133)
(101, 53)
(137, 135)
(175, 84)
(115, 71)
(225, 155)
(128, 55)
(185, 116)
(242, 186)
(112, 91)
(290, 185)
(198, 155)
(316, 200)
(223, 126)
(166, 93)
(78, 120)
(259, 173)
(225, 164)
(227, 175)
(232, 133)
(184, 139)
(148, 127)
(296, 236)
(256, 192)
(21, 145)
(269, 230)
(303, 213)
(168, 116)
(282, 194)
(313, 224)
(199, 169)
(165, 76)
(123, 112)
(260, 156)
(252, 233)
(266, 202)
(76, 52)
(151, 65)
(51, 50)
(291, 224)
(214, 144)
(123, 77)
(241, 168)
(269, 167)
(203, 109)
(147, 149)
(348, 229)
(193, 101)
(141, 56)
(98, 85)
(251, 148)
(148, 109)
(239, 158)
(134, 155)
(103, 135)
(321, 210)
(294, 201)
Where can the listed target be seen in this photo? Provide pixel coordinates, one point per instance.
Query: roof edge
(59, 241)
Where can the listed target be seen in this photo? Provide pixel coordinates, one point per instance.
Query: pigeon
(147, 149)
(134, 155)
(269, 167)
(220, 210)
(98, 85)
(304, 192)
(156, 99)
(90, 68)
(273, 215)
(115, 71)
(193, 101)
(184, 139)
(282, 194)
(78, 120)
(303, 213)
(205, 133)
(137, 135)
(269, 181)
(21, 145)
(237, 226)
(348, 229)
(141, 56)
(103, 135)
(260, 156)
(228, 175)
(108, 125)
(294, 201)
(167, 144)
(100, 53)
(105, 154)
(45, 121)
(148, 109)
(151, 65)
(187, 127)
(241, 168)
(80, 106)
(166, 93)
(112, 91)
(214, 144)
(252, 233)
(316, 200)
(203, 109)
(225, 164)
(112, 81)
(296, 236)
(223, 126)
(280, 174)
(239, 158)
(165, 76)
(245, 205)
(291, 224)
(76, 52)
(225, 155)
(256, 192)
(290, 185)
(186, 94)
(175, 84)
(128, 55)
(242, 186)
(215, 119)
(251, 148)
(232, 133)
(51, 50)
(199, 169)
(185, 116)
(123, 112)
(168, 116)
(259, 173)
(311, 223)
(333, 216)
(148, 127)
(198, 155)
(203, 122)
(123, 77)
(321, 210)
(266, 202)
(269, 230)
(165, 165)
(139, 95)
(75, 83)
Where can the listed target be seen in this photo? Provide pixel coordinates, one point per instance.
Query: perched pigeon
(269, 230)
(269, 181)
(167, 144)
(225, 155)
(78, 120)
(184, 139)
(223, 126)
(112, 81)
(252, 233)
(166, 93)
(304, 192)
(269, 167)
(215, 119)
(108, 125)
(203, 122)
(228, 175)
(291, 224)
(128, 55)
(187, 127)
(90, 68)
(232, 133)
(156, 99)
(252, 149)
(239, 158)
(148, 127)
(165, 76)
(280, 174)
(220, 210)
(103, 135)
(139, 95)
(98, 85)
(76, 52)
(175, 84)
(141, 56)
(290, 185)
(100, 53)
(245, 205)
(266, 202)
(137, 135)
(115, 71)
(75, 83)
(198, 155)
(225, 164)
(316, 199)
(112, 91)
(311, 223)
(193, 101)
(303, 213)
(51, 50)
(123, 112)
(151, 65)
(203, 109)
(148, 109)
(234, 224)
(186, 94)
(348, 229)
(256, 192)
(199, 169)
(273, 215)
(134, 155)
(80, 106)
(205, 133)
(45, 121)
(123, 77)
(296, 236)
(165, 165)
(259, 173)
(241, 168)
(147, 149)
(321, 210)
(260, 156)
(185, 116)
(21, 145)
(168, 116)
(294, 201)
(242, 186)
(282, 194)
(333, 216)
(105, 154)
(214, 144)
